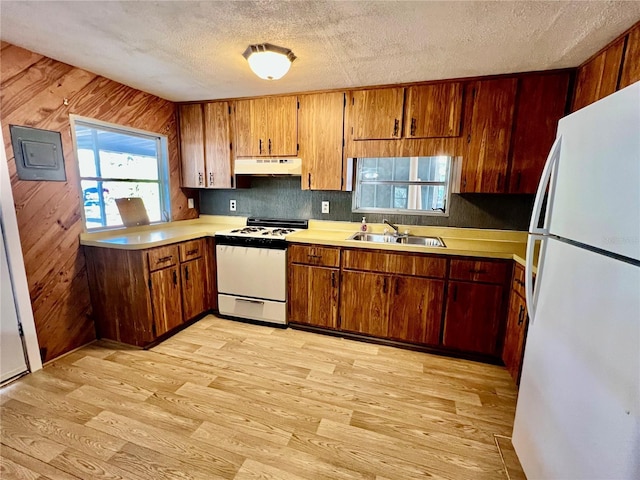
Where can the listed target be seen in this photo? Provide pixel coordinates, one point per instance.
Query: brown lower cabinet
(314, 277)
(365, 303)
(139, 295)
(517, 324)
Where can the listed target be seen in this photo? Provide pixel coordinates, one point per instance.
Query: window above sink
(404, 185)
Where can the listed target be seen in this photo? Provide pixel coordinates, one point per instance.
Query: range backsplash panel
(281, 197)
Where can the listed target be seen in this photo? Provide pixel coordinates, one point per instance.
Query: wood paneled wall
(33, 90)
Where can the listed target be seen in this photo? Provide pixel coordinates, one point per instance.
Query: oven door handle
(259, 302)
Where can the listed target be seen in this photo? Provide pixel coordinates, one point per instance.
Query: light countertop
(506, 244)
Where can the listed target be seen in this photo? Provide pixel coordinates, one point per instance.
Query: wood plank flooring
(228, 400)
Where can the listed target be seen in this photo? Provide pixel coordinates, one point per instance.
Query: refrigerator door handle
(552, 160)
(530, 295)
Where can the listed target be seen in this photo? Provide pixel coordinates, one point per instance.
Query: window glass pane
(149, 193)
(416, 184)
(133, 159)
(125, 165)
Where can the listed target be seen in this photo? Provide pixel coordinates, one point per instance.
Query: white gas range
(252, 269)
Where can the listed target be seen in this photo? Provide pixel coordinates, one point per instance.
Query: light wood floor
(230, 400)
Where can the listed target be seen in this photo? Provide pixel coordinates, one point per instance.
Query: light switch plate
(325, 207)
(232, 205)
(191, 203)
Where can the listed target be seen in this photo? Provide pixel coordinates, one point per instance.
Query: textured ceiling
(185, 50)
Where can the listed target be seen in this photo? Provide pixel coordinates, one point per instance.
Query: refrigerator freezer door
(578, 411)
(596, 197)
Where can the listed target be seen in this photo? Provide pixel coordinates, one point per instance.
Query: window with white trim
(405, 185)
(120, 162)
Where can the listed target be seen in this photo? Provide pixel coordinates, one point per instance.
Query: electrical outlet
(232, 205)
(325, 207)
(191, 203)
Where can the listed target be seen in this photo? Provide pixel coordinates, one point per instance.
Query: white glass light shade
(269, 62)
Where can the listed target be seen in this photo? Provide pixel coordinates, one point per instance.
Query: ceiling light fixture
(269, 61)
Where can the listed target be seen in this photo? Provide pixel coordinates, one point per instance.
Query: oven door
(252, 272)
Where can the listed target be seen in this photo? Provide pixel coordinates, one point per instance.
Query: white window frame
(356, 208)
(162, 158)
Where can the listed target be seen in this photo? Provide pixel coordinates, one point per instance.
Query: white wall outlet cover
(191, 203)
(325, 207)
(232, 205)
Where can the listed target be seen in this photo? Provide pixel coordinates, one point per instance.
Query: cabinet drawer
(163, 257)
(313, 255)
(479, 271)
(191, 249)
(517, 285)
(400, 263)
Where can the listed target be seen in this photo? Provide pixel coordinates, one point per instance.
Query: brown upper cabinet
(430, 111)
(377, 113)
(540, 104)
(434, 110)
(267, 126)
(205, 145)
(485, 164)
(631, 63)
(320, 125)
(599, 76)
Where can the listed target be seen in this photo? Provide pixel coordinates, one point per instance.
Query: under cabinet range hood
(268, 166)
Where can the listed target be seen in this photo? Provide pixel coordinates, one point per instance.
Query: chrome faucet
(395, 227)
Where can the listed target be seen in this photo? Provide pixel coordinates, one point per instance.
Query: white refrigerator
(578, 410)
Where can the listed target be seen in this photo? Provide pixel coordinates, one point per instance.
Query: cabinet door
(473, 315)
(415, 310)
(514, 338)
(166, 299)
(217, 145)
(631, 66)
(377, 114)
(191, 145)
(598, 77)
(434, 110)
(250, 124)
(194, 288)
(364, 300)
(313, 297)
(282, 126)
(541, 103)
(485, 166)
(320, 122)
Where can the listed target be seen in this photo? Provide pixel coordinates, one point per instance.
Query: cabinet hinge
(153, 329)
(298, 146)
(298, 104)
(229, 109)
(20, 330)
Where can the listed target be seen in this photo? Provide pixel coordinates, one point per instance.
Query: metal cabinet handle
(164, 259)
(521, 315)
(309, 181)
(175, 277)
(210, 178)
(413, 127)
(384, 285)
(269, 146)
(260, 145)
(397, 287)
(200, 178)
(246, 300)
(186, 273)
(396, 127)
(479, 272)
(191, 252)
(333, 279)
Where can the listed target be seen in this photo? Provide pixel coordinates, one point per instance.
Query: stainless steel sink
(401, 239)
